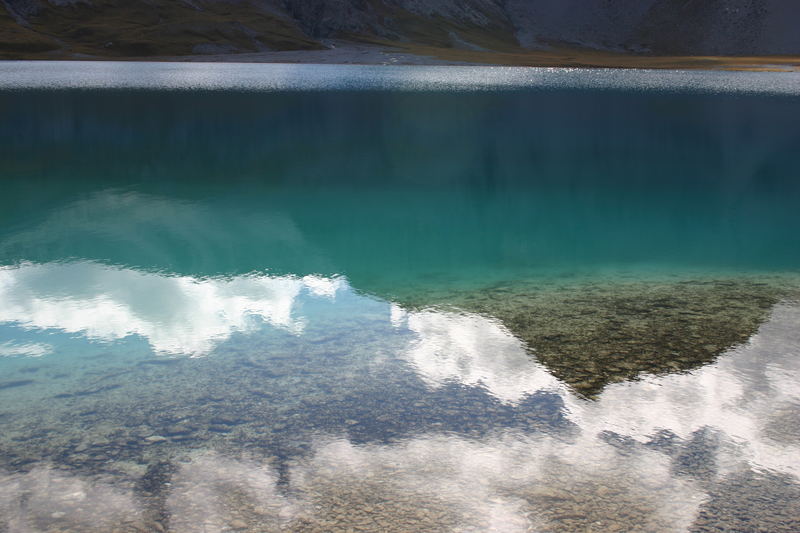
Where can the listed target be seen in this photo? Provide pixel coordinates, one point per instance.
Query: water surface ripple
(268, 77)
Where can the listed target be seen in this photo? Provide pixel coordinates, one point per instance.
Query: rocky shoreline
(343, 52)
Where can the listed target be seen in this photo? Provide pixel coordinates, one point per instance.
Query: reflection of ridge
(748, 396)
(591, 335)
(474, 351)
(736, 396)
(177, 315)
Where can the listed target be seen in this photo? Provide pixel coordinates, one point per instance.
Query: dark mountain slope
(17, 38)
(161, 27)
(131, 28)
(723, 27)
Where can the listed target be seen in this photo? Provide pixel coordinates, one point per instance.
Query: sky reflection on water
(439, 308)
(656, 447)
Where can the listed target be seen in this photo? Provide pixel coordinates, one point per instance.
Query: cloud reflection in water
(737, 413)
(14, 349)
(46, 499)
(472, 350)
(507, 484)
(737, 395)
(175, 314)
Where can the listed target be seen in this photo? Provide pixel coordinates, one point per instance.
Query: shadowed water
(436, 306)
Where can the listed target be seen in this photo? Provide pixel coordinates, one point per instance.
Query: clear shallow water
(548, 308)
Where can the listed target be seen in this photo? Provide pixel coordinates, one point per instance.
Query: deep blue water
(304, 298)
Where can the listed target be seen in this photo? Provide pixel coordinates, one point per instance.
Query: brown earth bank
(730, 34)
(357, 53)
(575, 57)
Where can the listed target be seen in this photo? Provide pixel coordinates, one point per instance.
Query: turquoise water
(302, 298)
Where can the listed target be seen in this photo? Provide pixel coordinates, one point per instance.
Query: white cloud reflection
(506, 484)
(210, 491)
(739, 395)
(29, 349)
(46, 499)
(749, 394)
(473, 350)
(175, 314)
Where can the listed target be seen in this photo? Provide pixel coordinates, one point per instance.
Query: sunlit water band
(299, 77)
